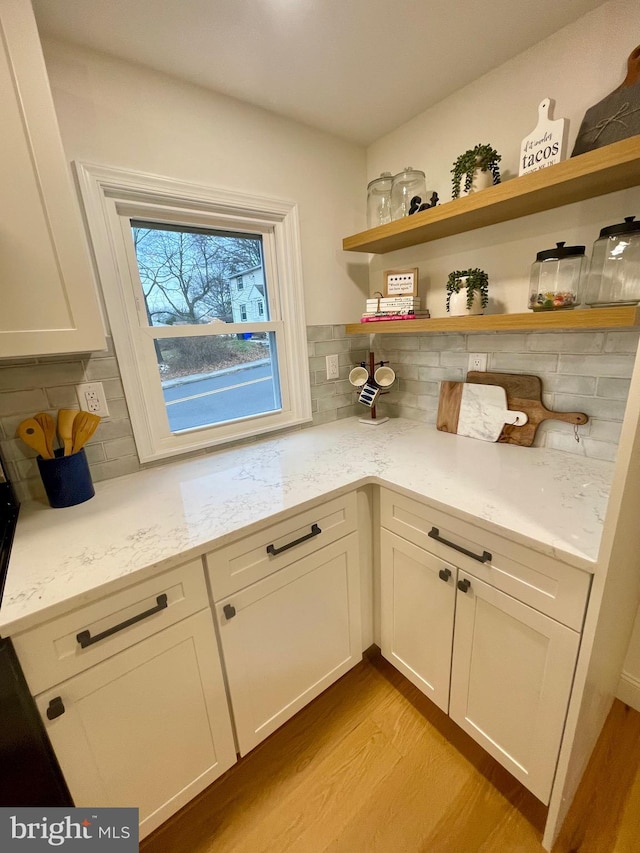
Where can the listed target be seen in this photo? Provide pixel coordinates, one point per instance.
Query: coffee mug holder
(370, 383)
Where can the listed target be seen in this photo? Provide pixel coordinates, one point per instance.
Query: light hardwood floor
(371, 766)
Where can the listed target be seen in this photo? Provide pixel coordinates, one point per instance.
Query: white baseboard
(629, 690)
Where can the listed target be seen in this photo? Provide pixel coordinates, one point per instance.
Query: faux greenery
(482, 157)
(473, 279)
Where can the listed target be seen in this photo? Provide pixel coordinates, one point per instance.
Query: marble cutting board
(477, 411)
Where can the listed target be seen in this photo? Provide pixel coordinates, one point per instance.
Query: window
(198, 366)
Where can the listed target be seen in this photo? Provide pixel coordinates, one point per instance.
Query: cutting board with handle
(475, 410)
(524, 392)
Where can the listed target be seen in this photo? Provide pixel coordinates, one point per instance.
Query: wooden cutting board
(475, 410)
(524, 392)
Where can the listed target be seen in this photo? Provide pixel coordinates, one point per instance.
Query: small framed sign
(401, 282)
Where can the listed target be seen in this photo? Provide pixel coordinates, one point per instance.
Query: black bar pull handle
(85, 639)
(315, 530)
(486, 557)
(56, 708)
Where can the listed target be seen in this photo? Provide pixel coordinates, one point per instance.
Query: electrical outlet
(92, 398)
(333, 370)
(477, 361)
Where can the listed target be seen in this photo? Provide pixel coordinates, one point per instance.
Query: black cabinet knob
(444, 574)
(56, 708)
(229, 611)
(464, 585)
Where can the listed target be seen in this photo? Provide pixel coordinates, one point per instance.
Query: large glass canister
(379, 200)
(406, 185)
(557, 277)
(614, 276)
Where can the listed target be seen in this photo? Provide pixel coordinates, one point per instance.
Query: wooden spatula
(33, 436)
(84, 426)
(48, 428)
(66, 417)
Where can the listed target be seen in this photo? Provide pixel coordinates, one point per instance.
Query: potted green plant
(479, 167)
(467, 292)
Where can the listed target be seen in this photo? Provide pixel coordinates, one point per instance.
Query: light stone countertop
(551, 501)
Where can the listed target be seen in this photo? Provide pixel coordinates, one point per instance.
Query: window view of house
(196, 277)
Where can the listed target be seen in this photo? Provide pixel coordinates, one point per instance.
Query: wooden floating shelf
(582, 318)
(605, 170)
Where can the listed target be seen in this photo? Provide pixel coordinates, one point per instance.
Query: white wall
(118, 114)
(577, 66)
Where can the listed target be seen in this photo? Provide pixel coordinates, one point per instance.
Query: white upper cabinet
(49, 301)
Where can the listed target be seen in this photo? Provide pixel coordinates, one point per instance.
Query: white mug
(358, 376)
(384, 376)
(369, 394)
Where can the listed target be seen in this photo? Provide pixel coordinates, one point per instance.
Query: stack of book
(393, 308)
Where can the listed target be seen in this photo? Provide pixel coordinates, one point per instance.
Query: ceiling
(354, 68)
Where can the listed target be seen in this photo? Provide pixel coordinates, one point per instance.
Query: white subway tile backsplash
(595, 407)
(563, 384)
(626, 341)
(613, 389)
(397, 342)
(438, 374)
(16, 402)
(119, 447)
(325, 390)
(569, 342)
(597, 365)
(504, 342)
(447, 343)
(324, 348)
(319, 333)
(605, 430)
(580, 371)
(40, 375)
(97, 369)
(520, 362)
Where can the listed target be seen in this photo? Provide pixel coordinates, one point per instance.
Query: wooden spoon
(33, 436)
(84, 426)
(48, 428)
(66, 418)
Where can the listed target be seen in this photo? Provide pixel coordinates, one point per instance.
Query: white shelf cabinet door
(49, 298)
(286, 638)
(418, 596)
(148, 728)
(511, 679)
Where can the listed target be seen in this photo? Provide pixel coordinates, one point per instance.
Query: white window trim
(108, 194)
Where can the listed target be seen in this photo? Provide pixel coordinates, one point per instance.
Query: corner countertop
(551, 501)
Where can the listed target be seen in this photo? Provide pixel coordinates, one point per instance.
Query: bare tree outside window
(192, 277)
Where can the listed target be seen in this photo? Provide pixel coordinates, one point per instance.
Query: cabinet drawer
(53, 652)
(258, 555)
(553, 588)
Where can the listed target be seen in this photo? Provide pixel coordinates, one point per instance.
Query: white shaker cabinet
(417, 603)
(294, 631)
(143, 720)
(465, 615)
(511, 680)
(49, 297)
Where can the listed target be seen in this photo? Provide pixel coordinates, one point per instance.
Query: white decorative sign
(401, 282)
(547, 144)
